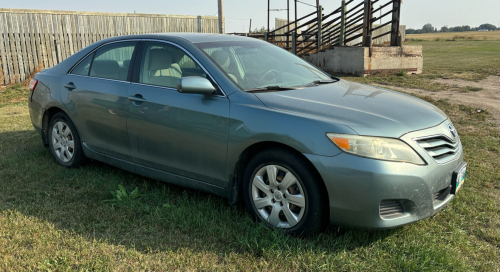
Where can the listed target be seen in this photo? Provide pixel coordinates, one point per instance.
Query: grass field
(55, 219)
(456, 36)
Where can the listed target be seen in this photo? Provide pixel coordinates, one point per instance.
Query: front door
(95, 94)
(184, 134)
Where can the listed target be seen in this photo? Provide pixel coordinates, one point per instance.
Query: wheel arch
(235, 194)
(47, 116)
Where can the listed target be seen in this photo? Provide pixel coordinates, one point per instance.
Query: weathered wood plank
(34, 49)
(105, 24)
(65, 41)
(85, 41)
(86, 32)
(41, 26)
(27, 43)
(3, 53)
(38, 43)
(44, 37)
(8, 49)
(19, 47)
(13, 50)
(74, 41)
(31, 37)
(69, 36)
(93, 30)
(52, 36)
(101, 28)
(51, 51)
(58, 36)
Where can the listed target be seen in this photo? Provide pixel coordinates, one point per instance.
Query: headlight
(376, 148)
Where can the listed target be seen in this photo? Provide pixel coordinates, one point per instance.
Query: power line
(306, 3)
(237, 19)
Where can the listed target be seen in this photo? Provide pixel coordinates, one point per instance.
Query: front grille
(442, 194)
(391, 208)
(441, 148)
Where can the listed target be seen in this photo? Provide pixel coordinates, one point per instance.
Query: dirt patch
(486, 99)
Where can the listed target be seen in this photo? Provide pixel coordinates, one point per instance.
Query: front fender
(251, 122)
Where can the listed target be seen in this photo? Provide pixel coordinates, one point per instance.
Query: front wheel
(64, 141)
(283, 190)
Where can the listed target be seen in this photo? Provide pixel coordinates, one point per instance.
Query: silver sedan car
(247, 120)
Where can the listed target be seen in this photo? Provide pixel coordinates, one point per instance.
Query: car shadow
(165, 217)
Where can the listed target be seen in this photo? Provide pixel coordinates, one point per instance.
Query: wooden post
(320, 27)
(221, 18)
(342, 24)
(396, 7)
(294, 42)
(58, 51)
(367, 40)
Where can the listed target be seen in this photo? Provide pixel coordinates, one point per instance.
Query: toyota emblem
(452, 130)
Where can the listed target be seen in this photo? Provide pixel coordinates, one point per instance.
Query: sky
(414, 13)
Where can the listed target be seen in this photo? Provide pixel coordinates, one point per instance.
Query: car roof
(191, 37)
(206, 37)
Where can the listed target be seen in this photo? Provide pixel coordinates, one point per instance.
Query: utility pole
(380, 15)
(295, 29)
(288, 23)
(250, 27)
(268, 7)
(221, 17)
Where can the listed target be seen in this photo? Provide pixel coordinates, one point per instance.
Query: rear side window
(83, 68)
(112, 61)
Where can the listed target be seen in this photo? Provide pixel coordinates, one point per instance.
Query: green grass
(57, 219)
(467, 60)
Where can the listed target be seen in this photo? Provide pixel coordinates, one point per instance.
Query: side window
(163, 64)
(84, 67)
(113, 61)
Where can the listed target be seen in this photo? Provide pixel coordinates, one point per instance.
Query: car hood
(366, 109)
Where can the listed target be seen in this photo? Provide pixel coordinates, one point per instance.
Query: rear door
(95, 94)
(184, 134)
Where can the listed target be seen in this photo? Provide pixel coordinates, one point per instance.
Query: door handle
(70, 86)
(136, 98)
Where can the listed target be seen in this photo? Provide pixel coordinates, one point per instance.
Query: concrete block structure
(361, 61)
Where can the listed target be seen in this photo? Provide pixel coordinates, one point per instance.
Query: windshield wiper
(319, 82)
(271, 88)
(323, 81)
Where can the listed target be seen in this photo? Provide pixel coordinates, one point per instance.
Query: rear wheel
(64, 141)
(283, 190)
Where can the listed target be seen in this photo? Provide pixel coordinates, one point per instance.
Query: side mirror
(195, 84)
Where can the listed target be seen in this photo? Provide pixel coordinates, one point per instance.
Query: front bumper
(357, 186)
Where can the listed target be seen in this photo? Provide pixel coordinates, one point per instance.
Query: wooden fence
(31, 40)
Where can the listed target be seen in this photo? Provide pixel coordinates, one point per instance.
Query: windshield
(255, 64)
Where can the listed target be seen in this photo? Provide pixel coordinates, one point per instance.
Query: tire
(64, 141)
(301, 208)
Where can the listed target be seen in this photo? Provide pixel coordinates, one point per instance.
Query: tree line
(428, 28)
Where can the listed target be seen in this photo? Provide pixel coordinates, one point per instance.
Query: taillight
(32, 84)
